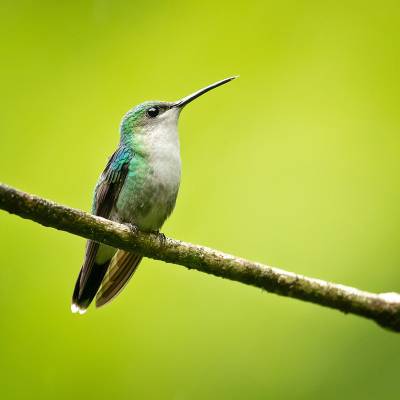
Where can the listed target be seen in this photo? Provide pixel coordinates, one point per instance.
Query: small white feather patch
(74, 308)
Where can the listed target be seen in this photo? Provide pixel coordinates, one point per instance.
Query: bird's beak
(186, 100)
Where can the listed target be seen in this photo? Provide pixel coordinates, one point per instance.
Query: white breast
(165, 176)
(165, 159)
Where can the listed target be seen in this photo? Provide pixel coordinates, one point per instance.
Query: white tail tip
(75, 309)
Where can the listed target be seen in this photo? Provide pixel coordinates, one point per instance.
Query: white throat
(163, 150)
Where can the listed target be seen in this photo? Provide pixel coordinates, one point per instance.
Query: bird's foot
(161, 237)
(133, 228)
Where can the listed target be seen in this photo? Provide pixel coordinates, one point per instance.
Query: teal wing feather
(105, 197)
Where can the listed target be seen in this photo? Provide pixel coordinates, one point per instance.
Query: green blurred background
(295, 164)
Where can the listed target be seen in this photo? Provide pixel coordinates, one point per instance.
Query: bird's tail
(120, 270)
(83, 296)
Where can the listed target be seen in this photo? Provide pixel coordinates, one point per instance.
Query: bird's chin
(173, 113)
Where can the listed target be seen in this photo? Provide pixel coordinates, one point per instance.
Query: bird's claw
(161, 237)
(133, 228)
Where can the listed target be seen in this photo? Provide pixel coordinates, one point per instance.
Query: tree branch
(383, 308)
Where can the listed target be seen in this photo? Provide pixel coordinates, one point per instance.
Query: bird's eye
(153, 112)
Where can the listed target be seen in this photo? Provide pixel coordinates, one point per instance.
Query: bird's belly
(147, 199)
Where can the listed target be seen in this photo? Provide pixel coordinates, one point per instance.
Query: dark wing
(106, 195)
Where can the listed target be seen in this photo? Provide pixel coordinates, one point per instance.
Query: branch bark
(383, 308)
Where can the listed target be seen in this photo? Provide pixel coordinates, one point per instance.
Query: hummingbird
(138, 187)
